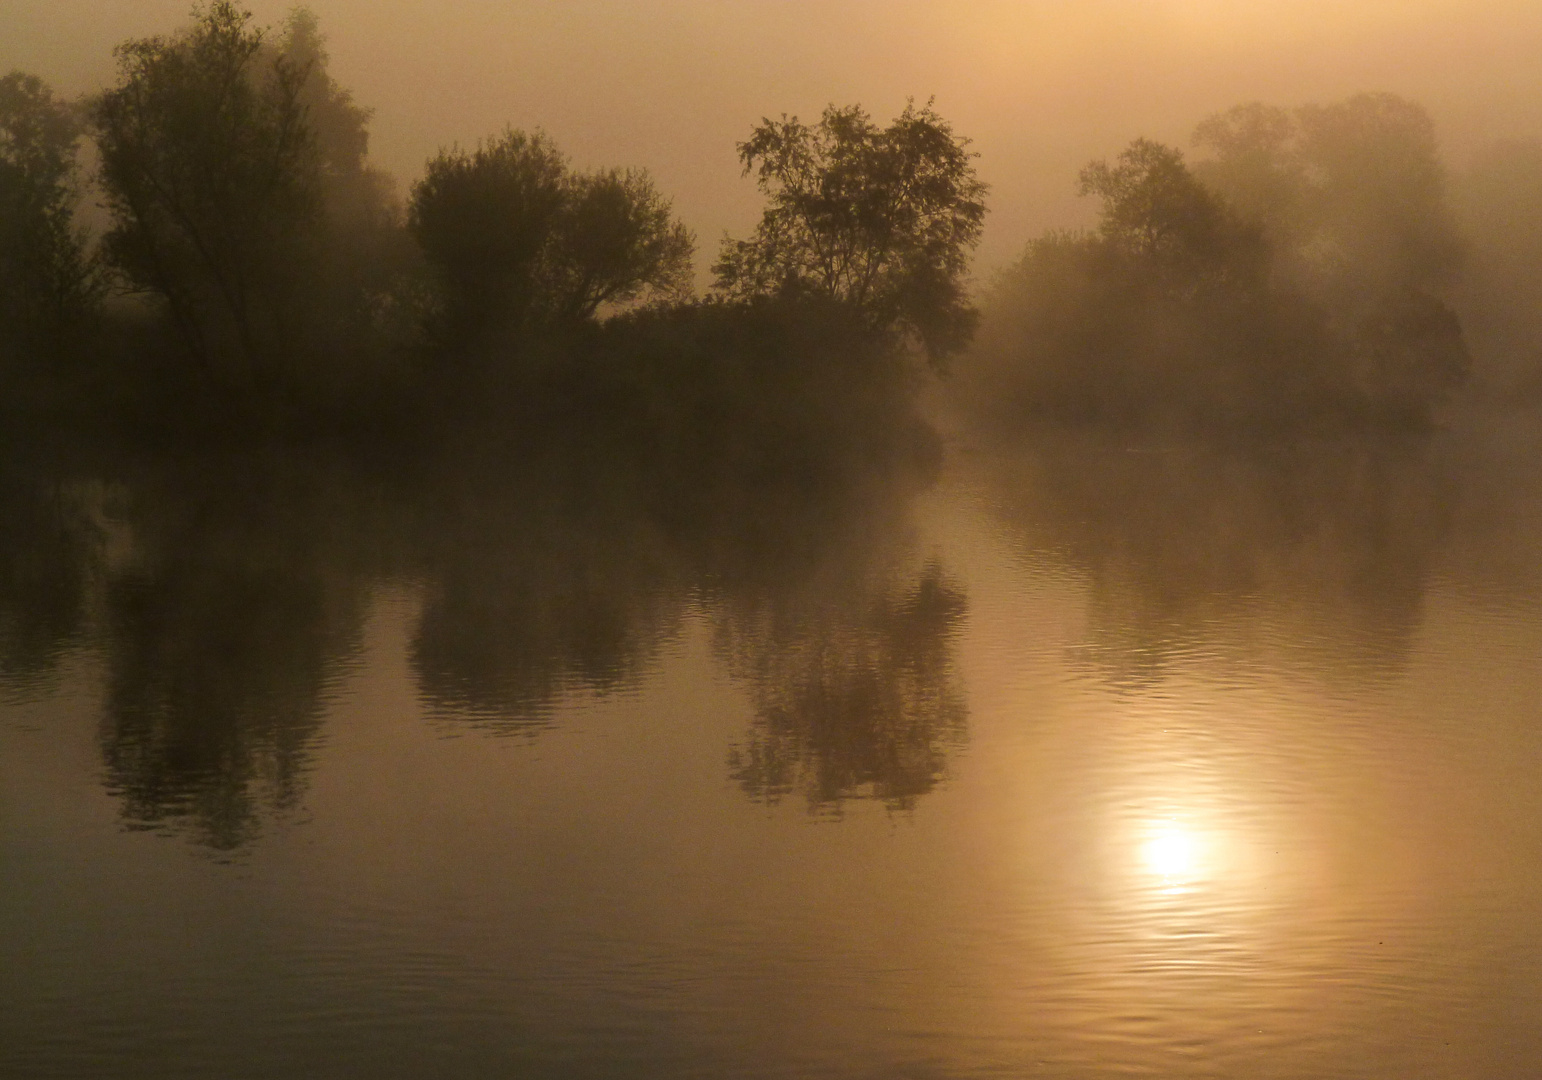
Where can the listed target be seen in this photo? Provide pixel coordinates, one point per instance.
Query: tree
(1378, 190)
(1352, 196)
(212, 176)
(521, 239)
(1353, 191)
(484, 217)
(1167, 311)
(880, 219)
(1155, 209)
(613, 240)
(1499, 201)
(1253, 166)
(357, 199)
(46, 279)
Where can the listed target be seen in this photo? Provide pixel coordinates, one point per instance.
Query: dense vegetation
(1298, 272)
(259, 275)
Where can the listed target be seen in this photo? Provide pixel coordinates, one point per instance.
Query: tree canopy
(1352, 196)
(1296, 271)
(1155, 209)
(520, 238)
(46, 279)
(211, 173)
(878, 218)
(1353, 190)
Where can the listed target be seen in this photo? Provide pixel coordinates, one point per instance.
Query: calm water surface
(1086, 759)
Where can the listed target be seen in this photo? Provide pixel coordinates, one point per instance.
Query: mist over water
(630, 541)
(1101, 754)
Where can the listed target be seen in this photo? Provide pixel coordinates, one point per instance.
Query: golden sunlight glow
(1172, 852)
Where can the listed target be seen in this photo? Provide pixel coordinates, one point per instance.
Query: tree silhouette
(46, 280)
(211, 173)
(521, 240)
(881, 219)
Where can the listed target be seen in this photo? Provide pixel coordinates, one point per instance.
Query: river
(1094, 756)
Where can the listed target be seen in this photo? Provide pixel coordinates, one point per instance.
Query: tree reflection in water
(533, 588)
(235, 592)
(536, 592)
(238, 607)
(48, 545)
(853, 695)
(1192, 545)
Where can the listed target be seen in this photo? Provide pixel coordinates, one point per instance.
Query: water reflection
(229, 597)
(1174, 852)
(854, 693)
(239, 604)
(1226, 549)
(48, 546)
(534, 589)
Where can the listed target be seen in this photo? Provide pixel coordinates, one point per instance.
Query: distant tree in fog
(46, 278)
(1297, 272)
(364, 244)
(1499, 202)
(1352, 195)
(520, 238)
(1253, 166)
(1155, 209)
(1166, 308)
(878, 218)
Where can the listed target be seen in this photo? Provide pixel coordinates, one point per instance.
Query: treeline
(258, 274)
(1301, 270)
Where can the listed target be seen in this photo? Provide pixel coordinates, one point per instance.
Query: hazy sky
(1041, 86)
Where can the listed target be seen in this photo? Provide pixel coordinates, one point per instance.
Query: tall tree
(879, 218)
(356, 196)
(46, 279)
(212, 176)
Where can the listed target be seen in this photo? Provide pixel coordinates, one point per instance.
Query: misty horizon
(604, 541)
(1039, 89)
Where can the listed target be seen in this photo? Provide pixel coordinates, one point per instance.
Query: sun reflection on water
(1174, 853)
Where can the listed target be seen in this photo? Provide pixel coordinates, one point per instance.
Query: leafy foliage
(46, 279)
(613, 241)
(212, 176)
(1296, 273)
(484, 217)
(1152, 205)
(520, 238)
(1352, 197)
(881, 219)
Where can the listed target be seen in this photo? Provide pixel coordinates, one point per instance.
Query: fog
(770, 539)
(1040, 88)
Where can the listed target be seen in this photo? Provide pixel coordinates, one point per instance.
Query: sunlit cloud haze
(1041, 86)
